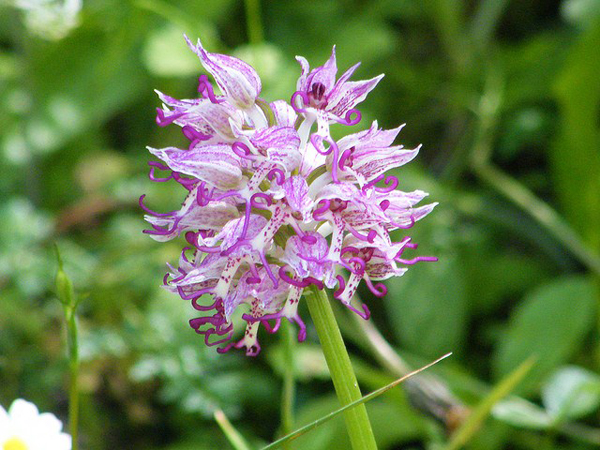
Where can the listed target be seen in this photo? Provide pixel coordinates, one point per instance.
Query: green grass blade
(234, 437)
(471, 426)
(306, 428)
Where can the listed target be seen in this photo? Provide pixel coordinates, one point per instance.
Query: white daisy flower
(22, 427)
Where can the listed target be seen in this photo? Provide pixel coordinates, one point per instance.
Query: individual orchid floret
(238, 81)
(274, 205)
(319, 94)
(365, 156)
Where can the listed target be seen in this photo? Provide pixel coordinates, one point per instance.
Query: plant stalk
(289, 387)
(74, 373)
(342, 373)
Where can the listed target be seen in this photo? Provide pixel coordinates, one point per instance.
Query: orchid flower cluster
(274, 204)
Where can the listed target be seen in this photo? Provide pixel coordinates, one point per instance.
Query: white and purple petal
(215, 164)
(296, 195)
(285, 115)
(349, 94)
(238, 80)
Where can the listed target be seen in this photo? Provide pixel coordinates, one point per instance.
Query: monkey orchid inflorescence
(274, 204)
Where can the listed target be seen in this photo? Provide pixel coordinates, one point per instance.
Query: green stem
(74, 372)
(66, 295)
(342, 373)
(289, 389)
(234, 437)
(255, 30)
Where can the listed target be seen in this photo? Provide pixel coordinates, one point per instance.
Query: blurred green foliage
(504, 96)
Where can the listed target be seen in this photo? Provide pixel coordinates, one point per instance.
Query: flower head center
(14, 443)
(317, 95)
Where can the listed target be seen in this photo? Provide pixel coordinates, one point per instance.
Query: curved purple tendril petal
(187, 183)
(384, 205)
(268, 327)
(368, 238)
(378, 290)
(156, 165)
(219, 341)
(320, 210)
(302, 328)
(255, 204)
(278, 174)
(267, 267)
(348, 249)
(194, 135)
(201, 307)
(342, 285)
(373, 182)
(162, 231)
(345, 155)
(335, 162)
(404, 227)
(242, 150)
(361, 264)
(294, 103)
(225, 349)
(206, 90)
(246, 220)
(226, 195)
(313, 280)
(185, 296)
(149, 211)
(204, 196)
(215, 320)
(348, 120)
(405, 243)
(412, 261)
(313, 140)
(389, 179)
(365, 313)
(277, 316)
(163, 121)
(285, 277)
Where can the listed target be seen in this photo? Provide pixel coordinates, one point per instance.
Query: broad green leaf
(572, 392)
(521, 413)
(549, 324)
